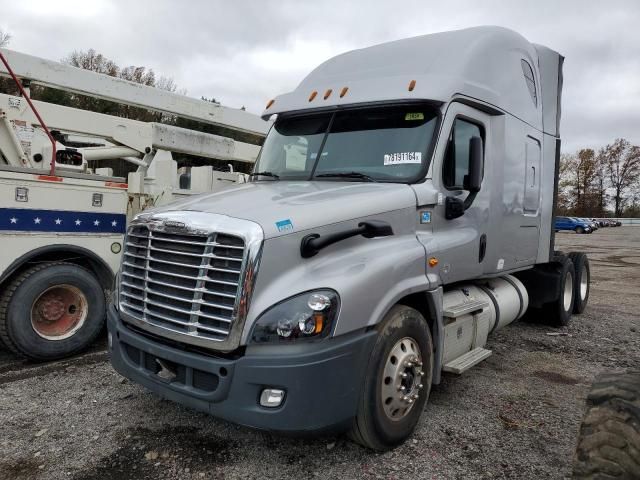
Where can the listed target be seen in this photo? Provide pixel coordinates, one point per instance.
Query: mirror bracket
(453, 208)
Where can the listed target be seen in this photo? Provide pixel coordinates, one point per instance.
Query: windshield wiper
(264, 174)
(362, 176)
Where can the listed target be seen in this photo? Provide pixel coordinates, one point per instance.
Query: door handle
(533, 176)
(483, 247)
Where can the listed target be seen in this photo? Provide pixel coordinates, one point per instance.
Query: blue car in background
(577, 225)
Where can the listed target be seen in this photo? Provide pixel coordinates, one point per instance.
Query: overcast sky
(246, 52)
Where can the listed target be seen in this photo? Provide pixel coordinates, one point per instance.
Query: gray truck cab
(400, 210)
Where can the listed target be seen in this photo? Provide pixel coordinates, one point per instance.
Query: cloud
(246, 52)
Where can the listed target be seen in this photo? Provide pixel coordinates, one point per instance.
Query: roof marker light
(412, 85)
(344, 91)
(327, 93)
(313, 95)
(270, 103)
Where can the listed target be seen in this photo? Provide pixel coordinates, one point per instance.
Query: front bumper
(322, 381)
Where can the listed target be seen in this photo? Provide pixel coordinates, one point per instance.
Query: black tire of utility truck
(397, 381)
(51, 310)
(582, 284)
(558, 312)
(609, 439)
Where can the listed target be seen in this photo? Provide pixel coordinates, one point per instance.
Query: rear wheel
(582, 281)
(609, 439)
(51, 310)
(397, 382)
(558, 312)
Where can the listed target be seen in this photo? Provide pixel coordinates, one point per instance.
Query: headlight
(308, 316)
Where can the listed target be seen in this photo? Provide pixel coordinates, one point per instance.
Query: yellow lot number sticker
(414, 116)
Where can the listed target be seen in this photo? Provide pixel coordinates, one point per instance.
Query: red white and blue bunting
(30, 220)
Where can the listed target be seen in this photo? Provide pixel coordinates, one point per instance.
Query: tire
(609, 438)
(373, 426)
(558, 312)
(69, 295)
(583, 272)
(579, 230)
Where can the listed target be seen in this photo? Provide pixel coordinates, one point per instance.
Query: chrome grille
(185, 283)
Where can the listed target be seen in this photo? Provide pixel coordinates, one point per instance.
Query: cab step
(466, 361)
(464, 308)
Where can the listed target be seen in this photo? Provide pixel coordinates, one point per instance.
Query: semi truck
(63, 216)
(400, 211)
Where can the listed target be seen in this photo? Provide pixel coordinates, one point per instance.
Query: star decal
(78, 222)
(114, 223)
(58, 221)
(96, 222)
(37, 220)
(13, 220)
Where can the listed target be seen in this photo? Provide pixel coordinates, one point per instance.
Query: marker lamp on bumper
(305, 317)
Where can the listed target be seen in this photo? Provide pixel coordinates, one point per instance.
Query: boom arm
(65, 77)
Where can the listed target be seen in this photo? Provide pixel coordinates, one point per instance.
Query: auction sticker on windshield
(402, 157)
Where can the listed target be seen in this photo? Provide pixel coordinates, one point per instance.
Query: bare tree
(96, 62)
(601, 185)
(166, 83)
(565, 190)
(585, 176)
(92, 60)
(577, 178)
(5, 38)
(622, 165)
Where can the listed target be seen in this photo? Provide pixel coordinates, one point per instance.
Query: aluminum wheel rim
(402, 379)
(584, 282)
(59, 312)
(568, 291)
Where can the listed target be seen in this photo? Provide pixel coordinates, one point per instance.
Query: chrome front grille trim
(193, 283)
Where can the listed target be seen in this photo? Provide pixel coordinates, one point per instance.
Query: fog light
(285, 327)
(271, 397)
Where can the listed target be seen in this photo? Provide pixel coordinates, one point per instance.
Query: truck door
(459, 244)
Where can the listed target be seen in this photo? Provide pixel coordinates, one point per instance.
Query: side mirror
(473, 181)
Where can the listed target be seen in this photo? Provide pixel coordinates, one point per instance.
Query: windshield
(385, 144)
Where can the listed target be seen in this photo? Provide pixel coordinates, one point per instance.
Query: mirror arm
(313, 243)
(469, 200)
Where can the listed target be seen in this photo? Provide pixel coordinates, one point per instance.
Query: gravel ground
(515, 415)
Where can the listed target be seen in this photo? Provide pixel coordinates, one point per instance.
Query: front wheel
(579, 230)
(51, 310)
(397, 382)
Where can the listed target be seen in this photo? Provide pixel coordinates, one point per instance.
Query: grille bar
(187, 283)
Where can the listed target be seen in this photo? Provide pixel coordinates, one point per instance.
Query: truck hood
(281, 207)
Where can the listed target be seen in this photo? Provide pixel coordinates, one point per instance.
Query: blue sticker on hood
(284, 225)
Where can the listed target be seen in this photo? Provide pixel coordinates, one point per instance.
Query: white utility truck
(400, 211)
(61, 221)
